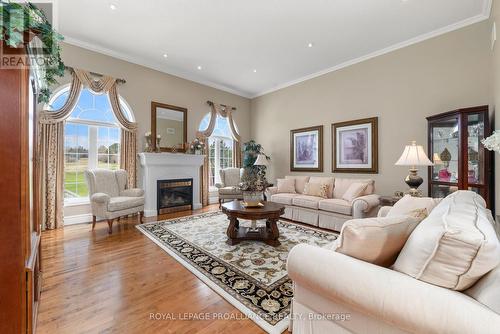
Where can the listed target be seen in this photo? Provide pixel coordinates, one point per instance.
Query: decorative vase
(158, 150)
(444, 175)
(252, 198)
(149, 145)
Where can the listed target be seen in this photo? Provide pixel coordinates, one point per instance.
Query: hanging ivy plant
(20, 20)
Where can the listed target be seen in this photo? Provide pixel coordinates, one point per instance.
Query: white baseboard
(78, 219)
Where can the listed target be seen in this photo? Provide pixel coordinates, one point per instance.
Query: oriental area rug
(251, 275)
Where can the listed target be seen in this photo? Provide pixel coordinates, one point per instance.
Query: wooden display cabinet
(460, 160)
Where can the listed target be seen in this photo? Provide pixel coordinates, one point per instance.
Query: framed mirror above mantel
(170, 122)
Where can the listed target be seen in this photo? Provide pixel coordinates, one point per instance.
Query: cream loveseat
(455, 255)
(329, 213)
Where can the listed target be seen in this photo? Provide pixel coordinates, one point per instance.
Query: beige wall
(401, 88)
(145, 85)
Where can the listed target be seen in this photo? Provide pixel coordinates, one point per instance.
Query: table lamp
(414, 156)
(261, 160)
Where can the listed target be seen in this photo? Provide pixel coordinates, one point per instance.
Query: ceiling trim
(455, 26)
(151, 65)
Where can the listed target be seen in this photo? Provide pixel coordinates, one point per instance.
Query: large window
(220, 153)
(91, 139)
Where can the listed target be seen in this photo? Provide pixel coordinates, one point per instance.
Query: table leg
(272, 229)
(232, 230)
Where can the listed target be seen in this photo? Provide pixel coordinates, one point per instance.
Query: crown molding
(455, 26)
(151, 65)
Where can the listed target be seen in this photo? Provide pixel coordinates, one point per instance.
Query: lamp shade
(261, 160)
(437, 159)
(414, 155)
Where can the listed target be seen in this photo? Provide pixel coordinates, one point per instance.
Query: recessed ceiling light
(112, 6)
(165, 55)
(199, 67)
(254, 71)
(310, 45)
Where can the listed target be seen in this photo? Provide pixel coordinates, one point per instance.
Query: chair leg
(93, 221)
(110, 226)
(220, 203)
(141, 217)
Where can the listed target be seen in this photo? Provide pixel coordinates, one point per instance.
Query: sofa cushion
(487, 290)
(330, 181)
(316, 189)
(306, 201)
(122, 203)
(283, 198)
(336, 205)
(300, 182)
(230, 191)
(413, 206)
(375, 240)
(354, 191)
(286, 186)
(453, 247)
(342, 184)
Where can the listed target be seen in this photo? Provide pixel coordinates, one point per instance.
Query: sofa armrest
(390, 296)
(271, 191)
(384, 211)
(364, 204)
(99, 198)
(132, 192)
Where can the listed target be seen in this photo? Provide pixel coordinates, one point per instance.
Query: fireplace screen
(174, 195)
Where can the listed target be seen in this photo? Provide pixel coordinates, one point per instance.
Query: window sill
(76, 201)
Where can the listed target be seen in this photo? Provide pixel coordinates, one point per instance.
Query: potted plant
(253, 181)
(21, 23)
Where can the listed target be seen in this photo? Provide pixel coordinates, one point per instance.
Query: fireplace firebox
(174, 195)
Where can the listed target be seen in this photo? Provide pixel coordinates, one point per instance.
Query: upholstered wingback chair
(229, 187)
(109, 196)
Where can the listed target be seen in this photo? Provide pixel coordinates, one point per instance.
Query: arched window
(91, 139)
(220, 143)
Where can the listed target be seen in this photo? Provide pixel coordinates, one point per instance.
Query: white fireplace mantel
(167, 166)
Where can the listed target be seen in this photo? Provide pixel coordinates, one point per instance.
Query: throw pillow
(354, 191)
(419, 207)
(375, 240)
(454, 246)
(316, 189)
(286, 186)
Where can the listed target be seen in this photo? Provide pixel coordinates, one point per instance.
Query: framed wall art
(355, 146)
(306, 149)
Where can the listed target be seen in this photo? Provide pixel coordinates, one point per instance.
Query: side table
(388, 200)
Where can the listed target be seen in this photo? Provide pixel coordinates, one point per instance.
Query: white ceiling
(230, 39)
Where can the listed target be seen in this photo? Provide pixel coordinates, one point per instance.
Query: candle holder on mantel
(149, 143)
(158, 139)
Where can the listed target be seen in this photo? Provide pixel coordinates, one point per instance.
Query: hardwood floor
(94, 282)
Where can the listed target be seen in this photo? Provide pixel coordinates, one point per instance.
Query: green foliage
(254, 177)
(17, 20)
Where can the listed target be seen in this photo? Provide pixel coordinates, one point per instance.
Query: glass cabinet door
(445, 149)
(475, 153)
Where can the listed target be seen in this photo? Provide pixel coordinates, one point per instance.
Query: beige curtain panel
(225, 112)
(51, 143)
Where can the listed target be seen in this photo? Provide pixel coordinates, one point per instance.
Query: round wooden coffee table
(269, 211)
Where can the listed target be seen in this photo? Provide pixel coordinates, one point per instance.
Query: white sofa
(335, 293)
(329, 213)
